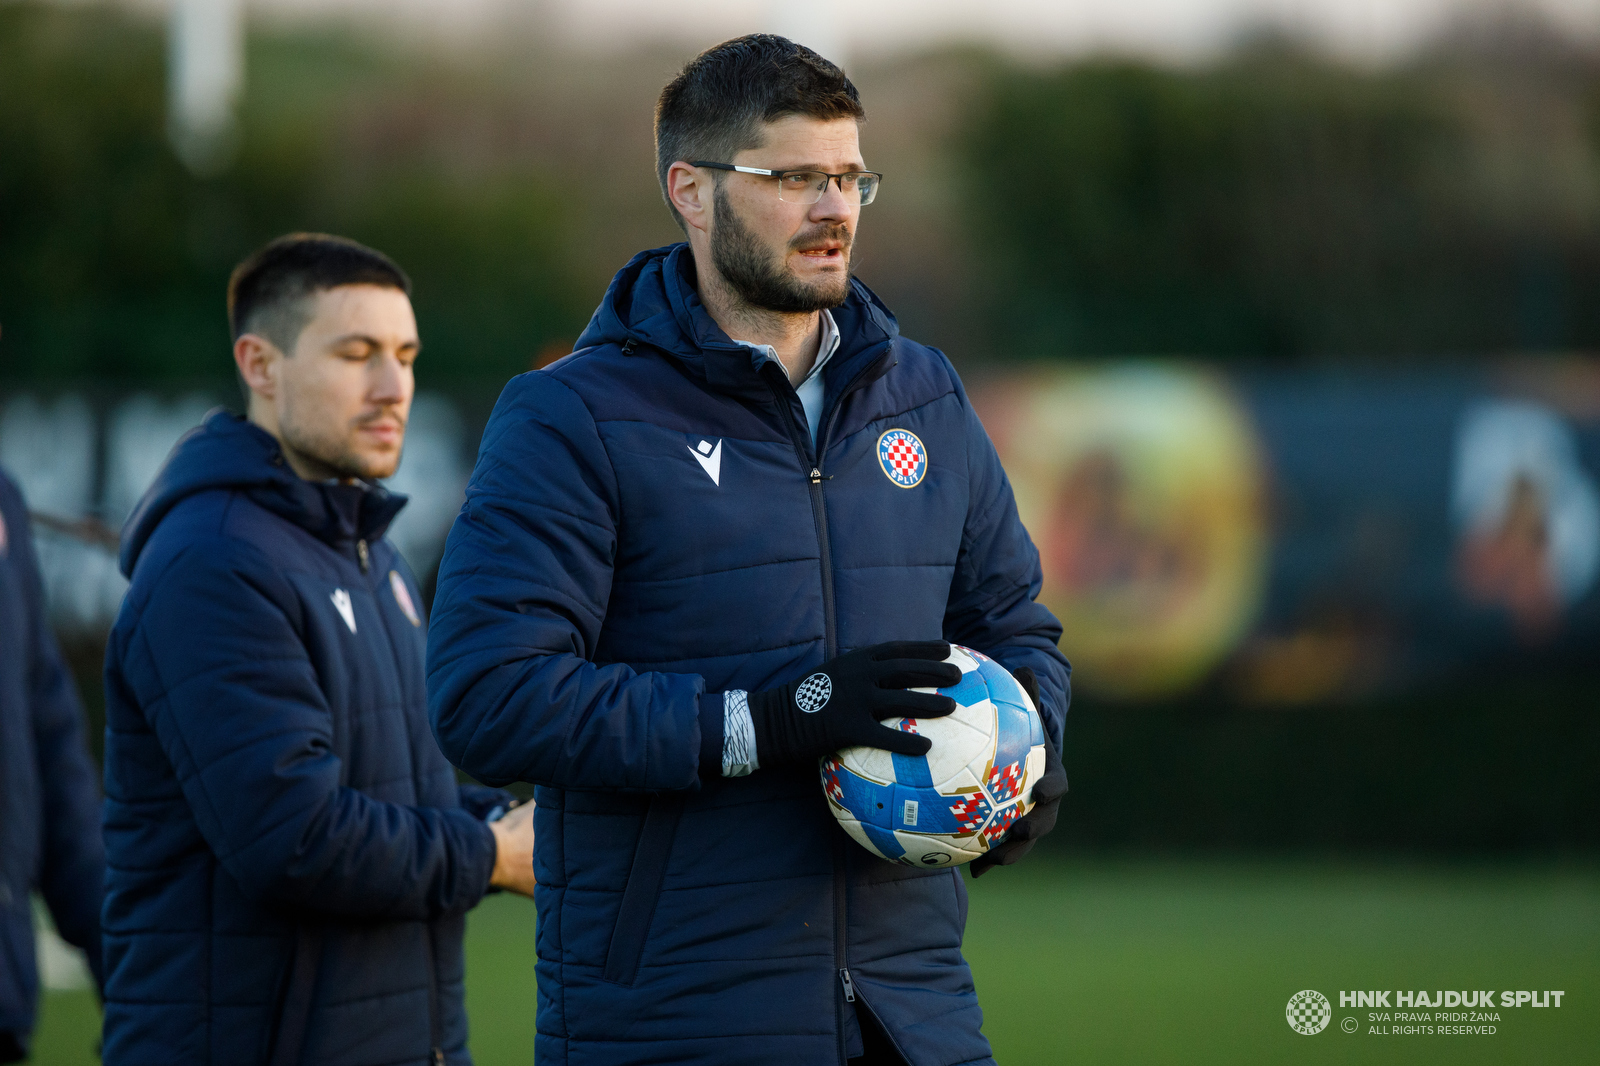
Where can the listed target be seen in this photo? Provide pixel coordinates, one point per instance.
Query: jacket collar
(653, 301)
(227, 451)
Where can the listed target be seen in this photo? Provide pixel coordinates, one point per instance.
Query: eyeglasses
(807, 186)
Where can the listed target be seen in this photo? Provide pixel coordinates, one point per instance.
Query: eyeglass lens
(807, 187)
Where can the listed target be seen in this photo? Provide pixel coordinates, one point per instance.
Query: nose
(390, 380)
(834, 205)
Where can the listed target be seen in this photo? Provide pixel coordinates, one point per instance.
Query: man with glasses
(728, 535)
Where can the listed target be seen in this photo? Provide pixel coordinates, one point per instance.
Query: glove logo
(903, 458)
(813, 693)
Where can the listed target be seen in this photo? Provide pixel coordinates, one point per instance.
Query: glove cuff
(712, 725)
(772, 716)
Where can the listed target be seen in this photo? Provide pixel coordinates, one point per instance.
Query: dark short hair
(717, 104)
(267, 292)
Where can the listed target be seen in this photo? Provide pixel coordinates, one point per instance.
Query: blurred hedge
(1271, 203)
(1276, 204)
(115, 259)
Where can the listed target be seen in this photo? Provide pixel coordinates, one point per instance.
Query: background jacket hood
(229, 452)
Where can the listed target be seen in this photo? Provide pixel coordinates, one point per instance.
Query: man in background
(290, 857)
(49, 803)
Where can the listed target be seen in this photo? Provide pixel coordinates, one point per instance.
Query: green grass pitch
(1186, 962)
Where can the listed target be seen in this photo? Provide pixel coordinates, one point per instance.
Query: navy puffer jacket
(49, 802)
(648, 526)
(289, 860)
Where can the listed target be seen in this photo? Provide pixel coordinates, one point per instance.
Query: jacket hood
(653, 300)
(229, 452)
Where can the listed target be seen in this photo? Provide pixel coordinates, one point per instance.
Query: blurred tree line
(1270, 204)
(1280, 205)
(114, 258)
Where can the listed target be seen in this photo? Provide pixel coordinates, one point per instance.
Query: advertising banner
(1295, 535)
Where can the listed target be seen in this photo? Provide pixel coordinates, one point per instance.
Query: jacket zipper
(819, 508)
(830, 643)
(819, 503)
(841, 905)
(841, 902)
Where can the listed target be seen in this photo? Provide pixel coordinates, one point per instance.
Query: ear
(257, 359)
(691, 191)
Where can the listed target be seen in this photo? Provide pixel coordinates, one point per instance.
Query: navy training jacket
(49, 802)
(647, 526)
(289, 860)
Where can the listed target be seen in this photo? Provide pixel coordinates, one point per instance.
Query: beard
(319, 441)
(762, 278)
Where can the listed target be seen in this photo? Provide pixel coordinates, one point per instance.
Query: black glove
(1047, 793)
(842, 702)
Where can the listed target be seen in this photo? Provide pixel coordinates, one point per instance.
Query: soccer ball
(951, 805)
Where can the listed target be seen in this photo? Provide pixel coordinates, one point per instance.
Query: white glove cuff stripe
(738, 734)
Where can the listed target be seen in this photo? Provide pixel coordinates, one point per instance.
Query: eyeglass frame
(837, 179)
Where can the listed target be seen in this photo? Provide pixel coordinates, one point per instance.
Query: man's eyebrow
(369, 340)
(852, 168)
(363, 338)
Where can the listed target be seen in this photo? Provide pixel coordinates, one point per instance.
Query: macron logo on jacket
(709, 458)
(341, 603)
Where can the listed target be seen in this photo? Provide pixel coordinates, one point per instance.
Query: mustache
(828, 231)
(378, 414)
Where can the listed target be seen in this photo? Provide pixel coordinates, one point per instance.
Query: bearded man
(743, 478)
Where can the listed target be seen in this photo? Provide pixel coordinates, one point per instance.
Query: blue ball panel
(1001, 685)
(1037, 734)
(869, 801)
(911, 769)
(933, 811)
(973, 688)
(1014, 737)
(884, 841)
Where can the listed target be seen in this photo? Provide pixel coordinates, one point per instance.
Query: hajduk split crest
(903, 458)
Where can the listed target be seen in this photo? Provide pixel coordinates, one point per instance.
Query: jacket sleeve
(993, 596)
(73, 866)
(219, 665)
(522, 592)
